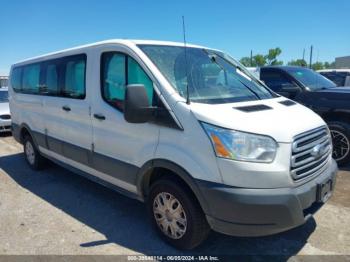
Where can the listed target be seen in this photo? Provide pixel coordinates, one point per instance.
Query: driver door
(120, 148)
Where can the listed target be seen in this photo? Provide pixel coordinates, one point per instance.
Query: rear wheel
(176, 215)
(32, 155)
(340, 132)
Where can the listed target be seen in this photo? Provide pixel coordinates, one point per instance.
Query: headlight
(240, 145)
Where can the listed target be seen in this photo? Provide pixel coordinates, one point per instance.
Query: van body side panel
(28, 109)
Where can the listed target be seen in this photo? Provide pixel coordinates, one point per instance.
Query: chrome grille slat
(314, 170)
(314, 143)
(306, 137)
(325, 142)
(296, 163)
(311, 163)
(309, 155)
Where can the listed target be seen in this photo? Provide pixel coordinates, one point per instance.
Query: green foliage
(317, 66)
(328, 65)
(271, 57)
(259, 60)
(298, 62)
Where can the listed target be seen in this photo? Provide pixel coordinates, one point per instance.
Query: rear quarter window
(31, 78)
(16, 79)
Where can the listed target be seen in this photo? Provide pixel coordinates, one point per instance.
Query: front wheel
(176, 215)
(340, 132)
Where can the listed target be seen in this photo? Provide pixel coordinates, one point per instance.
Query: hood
(4, 108)
(266, 117)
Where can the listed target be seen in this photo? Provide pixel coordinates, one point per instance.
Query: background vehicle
(199, 145)
(5, 118)
(321, 95)
(341, 77)
(3, 81)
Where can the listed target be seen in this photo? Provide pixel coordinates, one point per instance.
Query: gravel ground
(56, 212)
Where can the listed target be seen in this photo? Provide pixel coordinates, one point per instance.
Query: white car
(5, 117)
(185, 129)
(341, 77)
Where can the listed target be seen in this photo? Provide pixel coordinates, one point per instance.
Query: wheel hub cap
(169, 215)
(30, 153)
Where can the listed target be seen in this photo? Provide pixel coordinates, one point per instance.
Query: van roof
(126, 42)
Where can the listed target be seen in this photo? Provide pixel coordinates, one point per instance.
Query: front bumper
(5, 125)
(258, 212)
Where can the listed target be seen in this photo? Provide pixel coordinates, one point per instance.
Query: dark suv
(321, 95)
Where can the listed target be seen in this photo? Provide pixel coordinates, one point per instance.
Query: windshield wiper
(212, 58)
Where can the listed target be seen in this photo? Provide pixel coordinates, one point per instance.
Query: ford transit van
(186, 129)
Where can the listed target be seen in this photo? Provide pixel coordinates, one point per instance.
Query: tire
(189, 218)
(340, 132)
(32, 155)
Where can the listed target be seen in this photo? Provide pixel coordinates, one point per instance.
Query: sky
(34, 27)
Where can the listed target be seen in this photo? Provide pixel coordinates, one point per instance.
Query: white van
(187, 130)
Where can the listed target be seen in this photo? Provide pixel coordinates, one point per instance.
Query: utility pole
(304, 54)
(311, 56)
(251, 58)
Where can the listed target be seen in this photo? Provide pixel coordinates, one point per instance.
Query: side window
(51, 79)
(31, 79)
(118, 71)
(136, 75)
(16, 79)
(74, 77)
(274, 80)
(113, 78)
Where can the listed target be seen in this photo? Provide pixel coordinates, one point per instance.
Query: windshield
(211, 76)
(3, 96)
(310, 78)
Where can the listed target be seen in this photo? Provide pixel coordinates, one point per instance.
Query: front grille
(5, 128)
(310, 153)
(5, 117)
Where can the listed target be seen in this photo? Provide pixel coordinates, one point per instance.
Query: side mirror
(136, 105)
(289, 90)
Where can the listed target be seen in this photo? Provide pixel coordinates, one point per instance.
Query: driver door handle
(99, 117)
(66, 108)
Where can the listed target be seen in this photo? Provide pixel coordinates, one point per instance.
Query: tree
(271, 57)
(317, 66)
(259, 60)
(245, 61)
(328, 65)
(298, 62)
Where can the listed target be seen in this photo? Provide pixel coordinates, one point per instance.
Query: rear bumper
(259, 212)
